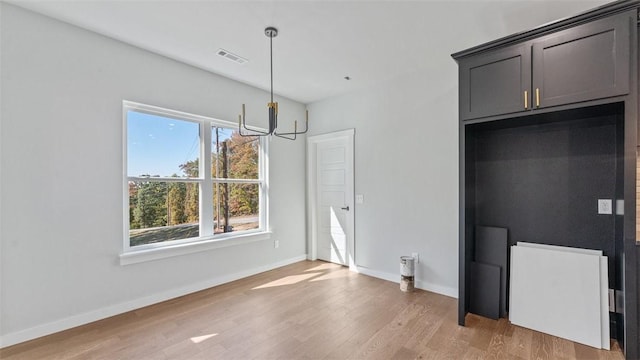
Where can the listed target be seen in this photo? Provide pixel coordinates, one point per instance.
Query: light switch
(619, 207)
(359, 199)
(605, 206)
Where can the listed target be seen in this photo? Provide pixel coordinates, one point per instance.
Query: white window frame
(207, 239)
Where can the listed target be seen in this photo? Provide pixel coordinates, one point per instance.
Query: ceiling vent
(231, 56)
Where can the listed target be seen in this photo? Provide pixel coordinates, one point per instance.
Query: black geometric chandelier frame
(272, 106)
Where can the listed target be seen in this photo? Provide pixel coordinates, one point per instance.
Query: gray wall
(406, 167)
(62, 178)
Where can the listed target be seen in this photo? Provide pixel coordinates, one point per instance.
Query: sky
(158, 145)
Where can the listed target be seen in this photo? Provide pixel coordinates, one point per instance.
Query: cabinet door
(495, 83)
(588, 62)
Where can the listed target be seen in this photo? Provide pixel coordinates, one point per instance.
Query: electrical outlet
(276, 244)
(605, 206)
(416, 256)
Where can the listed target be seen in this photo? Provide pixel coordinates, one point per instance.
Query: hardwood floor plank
(541, 347)
(519, 343)
(497, 346)
(307, 310)
(449, 341)
(563, 349)
(486, 328)
(473, 353)
(404, 354)
(587, 352)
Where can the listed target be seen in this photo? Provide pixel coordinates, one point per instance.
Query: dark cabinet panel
(495, 83)
(587, 62)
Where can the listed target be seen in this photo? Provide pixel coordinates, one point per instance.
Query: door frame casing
(312, 226)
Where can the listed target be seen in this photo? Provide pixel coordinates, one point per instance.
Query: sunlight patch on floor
(287, 280)
(199, 339)
(327, 266)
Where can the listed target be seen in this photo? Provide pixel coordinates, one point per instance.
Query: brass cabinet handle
(537, 97)
(526, 100)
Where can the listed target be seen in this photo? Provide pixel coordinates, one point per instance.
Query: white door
(331, 192)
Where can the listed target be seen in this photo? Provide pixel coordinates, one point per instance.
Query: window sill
(138, 256)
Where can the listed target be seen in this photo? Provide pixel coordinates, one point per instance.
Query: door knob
(346, 208)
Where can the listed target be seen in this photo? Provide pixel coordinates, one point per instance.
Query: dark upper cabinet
(495, 83)
(587, 62)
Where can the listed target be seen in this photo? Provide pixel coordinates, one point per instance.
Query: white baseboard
(85, 318)
(420, 284)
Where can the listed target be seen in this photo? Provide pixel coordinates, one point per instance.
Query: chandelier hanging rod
(272, 106)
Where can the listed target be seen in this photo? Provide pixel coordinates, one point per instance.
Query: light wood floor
(308, 310)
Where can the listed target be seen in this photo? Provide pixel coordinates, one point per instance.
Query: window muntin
(171, 198)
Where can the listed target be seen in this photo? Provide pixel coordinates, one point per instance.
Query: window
(172, 197)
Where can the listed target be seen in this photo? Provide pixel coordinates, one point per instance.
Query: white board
(558, 293)
(561, 248)
(604, 303)
(604, 284)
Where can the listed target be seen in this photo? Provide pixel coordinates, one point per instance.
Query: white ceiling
(319, 42)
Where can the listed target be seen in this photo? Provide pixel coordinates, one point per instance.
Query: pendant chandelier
(272, 106)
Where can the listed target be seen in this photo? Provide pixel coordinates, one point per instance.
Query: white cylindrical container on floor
(407, 273)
